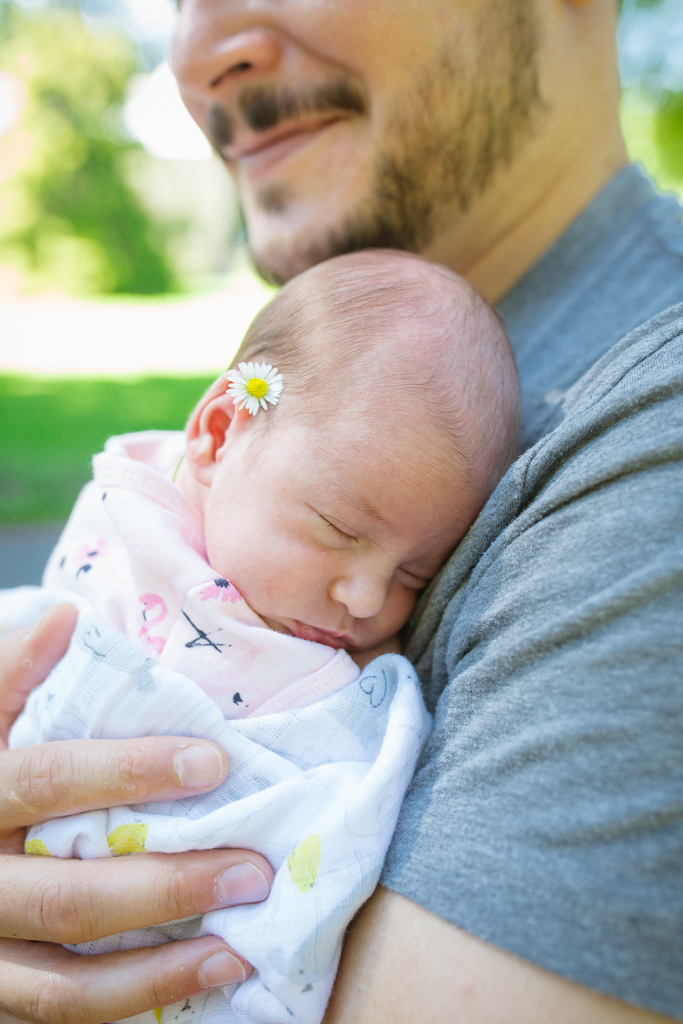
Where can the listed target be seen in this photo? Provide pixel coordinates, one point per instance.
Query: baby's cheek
(232, 552)
(395, 613)
(264, 584)
(218, 558)
(409, 602)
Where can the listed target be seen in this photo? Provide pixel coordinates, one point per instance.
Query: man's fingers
(49, 985)
(54, 779)
(27, 657)
(71, 901)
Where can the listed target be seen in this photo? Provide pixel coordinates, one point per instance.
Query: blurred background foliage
(651, 62)
(106, 190)
(85, 210)
(85, 207)
(69, 218)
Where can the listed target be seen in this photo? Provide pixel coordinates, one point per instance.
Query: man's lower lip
(263, 160)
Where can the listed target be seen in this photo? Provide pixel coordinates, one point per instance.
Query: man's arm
(546, 813)
(401, 964)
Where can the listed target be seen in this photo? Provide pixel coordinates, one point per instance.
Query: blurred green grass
(50, 428)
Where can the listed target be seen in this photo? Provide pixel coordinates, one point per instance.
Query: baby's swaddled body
(320, 756)
(220, 602)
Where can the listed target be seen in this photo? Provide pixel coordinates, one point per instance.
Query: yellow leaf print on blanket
(36, 848)
(125, 839)
(303, 864)
(157, 1014)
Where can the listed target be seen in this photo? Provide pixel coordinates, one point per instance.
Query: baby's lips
(321, 636)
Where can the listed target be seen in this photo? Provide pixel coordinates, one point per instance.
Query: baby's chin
(392, 645)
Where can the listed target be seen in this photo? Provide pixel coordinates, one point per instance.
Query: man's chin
(284, 254)
(281, 248)
(299, 234)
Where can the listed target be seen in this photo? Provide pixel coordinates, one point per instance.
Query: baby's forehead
(389, 461)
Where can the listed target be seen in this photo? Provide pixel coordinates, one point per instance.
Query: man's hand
(45, 901)
(26, 658)
(401, 964)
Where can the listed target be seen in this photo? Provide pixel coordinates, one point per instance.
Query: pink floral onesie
(134, 548)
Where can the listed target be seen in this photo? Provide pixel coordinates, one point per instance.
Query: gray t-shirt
(546, 815)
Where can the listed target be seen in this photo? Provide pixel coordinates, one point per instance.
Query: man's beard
(434, 158)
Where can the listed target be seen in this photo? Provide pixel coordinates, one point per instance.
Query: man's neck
(518, 221)
(574, 149)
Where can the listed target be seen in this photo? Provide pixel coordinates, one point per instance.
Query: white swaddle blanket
(316, 789)
(320, 755)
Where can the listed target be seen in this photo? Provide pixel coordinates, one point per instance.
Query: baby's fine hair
(378, 332)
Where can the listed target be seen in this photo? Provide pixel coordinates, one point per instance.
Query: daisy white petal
(254, 385)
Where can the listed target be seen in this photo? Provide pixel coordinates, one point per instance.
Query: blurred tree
(68, 218)
(668, 134)
(651, 52)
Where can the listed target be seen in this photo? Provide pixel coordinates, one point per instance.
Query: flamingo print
(157, 643)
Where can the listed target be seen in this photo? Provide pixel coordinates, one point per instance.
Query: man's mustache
(263, 107)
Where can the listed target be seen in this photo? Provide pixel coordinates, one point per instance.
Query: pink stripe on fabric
(339, 672)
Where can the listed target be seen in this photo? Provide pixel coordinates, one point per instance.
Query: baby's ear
(207, 429)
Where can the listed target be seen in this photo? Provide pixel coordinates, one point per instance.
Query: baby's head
(331, 510)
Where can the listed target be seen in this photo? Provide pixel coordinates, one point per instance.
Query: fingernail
(198, 766)
(243, 883)
(221, 969)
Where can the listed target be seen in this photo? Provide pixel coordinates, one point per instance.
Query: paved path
(24, 550)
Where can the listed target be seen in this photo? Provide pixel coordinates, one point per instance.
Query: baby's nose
(363, 595)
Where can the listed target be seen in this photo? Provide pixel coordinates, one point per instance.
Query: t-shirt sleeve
(546, 816)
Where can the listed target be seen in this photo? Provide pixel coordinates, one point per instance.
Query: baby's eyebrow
(369, 510)
(356, 503)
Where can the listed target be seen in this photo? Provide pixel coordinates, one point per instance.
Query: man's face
(348, 124)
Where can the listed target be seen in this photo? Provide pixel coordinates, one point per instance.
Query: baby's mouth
(322, 636)
(339, 641)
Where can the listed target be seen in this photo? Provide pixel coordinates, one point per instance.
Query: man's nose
(363, 594)
(209, 60)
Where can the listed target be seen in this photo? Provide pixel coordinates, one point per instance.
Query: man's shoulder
(646, 356)
(627, 406)
(618, 266)
(545, 817)
(616, 442)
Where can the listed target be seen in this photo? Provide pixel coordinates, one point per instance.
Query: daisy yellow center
(256, 387)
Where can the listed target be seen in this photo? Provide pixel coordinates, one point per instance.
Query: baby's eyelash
(340, 533)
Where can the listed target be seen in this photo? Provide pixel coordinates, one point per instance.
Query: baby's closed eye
(338, 529)
(410, 579)
(339, 533)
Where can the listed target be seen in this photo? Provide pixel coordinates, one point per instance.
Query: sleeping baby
(232, 582)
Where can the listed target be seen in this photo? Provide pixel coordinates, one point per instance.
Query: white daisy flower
(254, 385)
